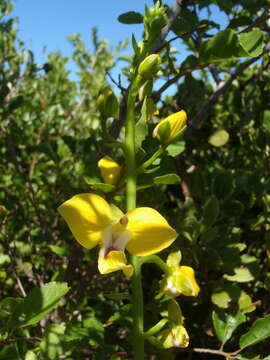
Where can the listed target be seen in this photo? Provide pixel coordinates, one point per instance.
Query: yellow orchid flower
(174, 336)
(142, 231)
(182, 281)
(170, 128)
(110, 170)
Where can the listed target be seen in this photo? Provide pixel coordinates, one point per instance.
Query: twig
(211, 351)
(157, 94)
(31, 338)
(175, 11)
(265, 15)
(118, 84)
(199, 117)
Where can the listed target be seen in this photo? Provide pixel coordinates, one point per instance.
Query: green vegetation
(209, 177)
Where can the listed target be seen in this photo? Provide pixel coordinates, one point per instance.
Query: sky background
(48, 23)
(44, 25)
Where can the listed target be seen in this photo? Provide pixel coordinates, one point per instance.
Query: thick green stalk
(137, 293)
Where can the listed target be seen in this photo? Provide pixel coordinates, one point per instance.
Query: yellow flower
(110, 170)
(170, 128)
(174, 336)
(182, 281)
(142, 231)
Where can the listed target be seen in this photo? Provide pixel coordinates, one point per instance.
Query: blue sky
(48, 23)
(45, 24)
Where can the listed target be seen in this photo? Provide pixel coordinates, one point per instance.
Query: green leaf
(252, 42)
(211, 211)
(225, 323)
(130, 17)
(223, 184)
(96, 331)
(266, 120)
(246, 272)
(106, 188)
(30, 355)
(52, 344)
(176, 148)
(222, 45)
(4, 260)
(117, 296)
(141, 127)
(259, 331)
(168, 179)
(38, 303)
(230, 295)
(219, 138)
(60, 250)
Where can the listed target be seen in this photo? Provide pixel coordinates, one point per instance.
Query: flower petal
(87, 216)
(113, 261)
(150, 232)
(185, 281)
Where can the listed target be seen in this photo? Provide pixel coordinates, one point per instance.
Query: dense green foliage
(212, 185)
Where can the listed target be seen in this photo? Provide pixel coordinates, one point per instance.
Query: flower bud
(175, 336)
(170, 128)
(149, 66)
(110, 170)
(182, 281)
(108, 104)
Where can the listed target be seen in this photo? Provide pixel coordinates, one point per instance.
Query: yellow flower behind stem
(110, 170)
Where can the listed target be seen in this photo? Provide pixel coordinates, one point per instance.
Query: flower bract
(142, 231)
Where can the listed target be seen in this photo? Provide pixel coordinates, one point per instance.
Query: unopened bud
(149, 66)
(170, 128)
(108, 104)
(110, 170)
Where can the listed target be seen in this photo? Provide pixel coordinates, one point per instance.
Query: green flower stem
(137, 292)
(154, 259)
(150, 161)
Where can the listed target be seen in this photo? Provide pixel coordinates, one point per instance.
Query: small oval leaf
(130, 17)
(219, 138)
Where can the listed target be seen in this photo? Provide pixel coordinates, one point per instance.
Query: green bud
(108, 104)
(149, 66)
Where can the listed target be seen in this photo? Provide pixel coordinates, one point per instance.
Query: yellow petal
(168, 129)
(87, 216)
(110, 170)
(186, 282)
(150, 232)
(113, 261)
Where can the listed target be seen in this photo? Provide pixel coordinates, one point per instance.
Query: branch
(211, 351)
(199, 117)
(10, 341)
